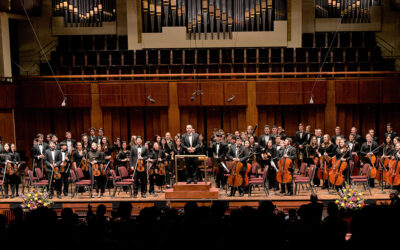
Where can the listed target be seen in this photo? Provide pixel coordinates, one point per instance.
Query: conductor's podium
(201, 190)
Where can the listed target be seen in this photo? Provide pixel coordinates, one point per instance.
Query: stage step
(200, 186)
(201, 190)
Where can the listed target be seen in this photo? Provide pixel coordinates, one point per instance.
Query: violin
(98, 169)
(62, 167)
(140, 166)
(84, 165)
(161, 165)
(283, 175)
(56, 173)
(336, 174)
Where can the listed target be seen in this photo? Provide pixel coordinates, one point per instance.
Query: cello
(393, 175)
(372, 158)
(283, 175)
(336, 175)
(323, 171)
(235, 179)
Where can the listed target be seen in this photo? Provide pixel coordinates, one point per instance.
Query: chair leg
(250, 187)
(115, 191)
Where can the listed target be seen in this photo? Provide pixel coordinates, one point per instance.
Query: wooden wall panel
(136, 121)
(390, 91)
(33, 95)
(213, 120)
(370, 91)
(319, 92)
(346, 91)
(159, 92)
(368, 118)
(239, 90)
(234, 119)
(3, 96)
(133, 95)
(110, 95)
(193, 116)
(267, 93)
(7, 125)
(53, 96)
(60, 123)
(290, 119)
(11, 95)
(185, 91)
(290, 93)
(78, 95)
(213, 94)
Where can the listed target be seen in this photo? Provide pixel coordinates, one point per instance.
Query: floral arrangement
(349, 197)
(35, 199)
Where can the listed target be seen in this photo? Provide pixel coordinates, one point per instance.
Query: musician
(274, 131)
(54, 138)
(249, 132)
(66, 160)
(265, 137)
(167, 155)
(48, 138)
(342, 154)
(270, 156)
(95, 159)
(39, 149)
(139, 152)
(78, 156)
(390, 132)
(354, 146)
(156, 156)
(368, 149)
(85, 143)
(388, 148)
(219, 150)
(327, 149)
(318, 136)
(178, 150)
(123, 155)
(53, 160)
(105, 148)
(312, 153)
(309, 135)
(301, 140)
(238, 152)
(357, 137)
(289, 152)
(281, 133)
(17, 159)
(396, 156)
(69, 141)
(10, 176)
(170, 142)
(100, 135)
(117, 146)
(203, 145)
(372, 133)
(191, 144)
(92, 136)
(337, 134)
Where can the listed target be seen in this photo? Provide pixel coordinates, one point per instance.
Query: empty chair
(111, 42)
(308, 40)
(140, 57)
(76, 42)
(189, 56)
(91, 58)
(300, 55)
(80, 184)
(276, 54)
(301, 180)
(152, 56)
(38, 183)
(226, 55)
(116, 58)
(320, 40)
(260, 181)
(312, 55)
(263, 56)
(123, 42)
(363, 178)
(99, 42)
(120, 184)
(288, 54)
(87, 43)
(104, 58)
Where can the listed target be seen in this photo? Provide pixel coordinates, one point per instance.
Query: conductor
(191, 144)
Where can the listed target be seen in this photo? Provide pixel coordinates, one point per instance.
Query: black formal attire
(301, 139)
(191, 140)
(168, 169)
(154, 177)
(391, 134)
(219, 150)
(358, 138)
(71, 143)
(140, 177)
(38, 150)
(365, 149)
(264, 140)
(123, 155)
(283, 136)
(93, 139)
(180, 163)
(66, 157)
(272, 162)
(320, 139)
(291, 154)
(17, 159)
(312, 152)
(242, 154)
(331, 151)
(336, 136)
(100, 180)
(53, 156)
(9, 179)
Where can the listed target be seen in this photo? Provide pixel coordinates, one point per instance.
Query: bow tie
(139, 146)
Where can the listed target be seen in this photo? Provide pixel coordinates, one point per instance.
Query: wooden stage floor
(80, 202)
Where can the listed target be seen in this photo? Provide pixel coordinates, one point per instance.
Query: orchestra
(235, 158)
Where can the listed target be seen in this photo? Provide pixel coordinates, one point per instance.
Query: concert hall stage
(80, 202)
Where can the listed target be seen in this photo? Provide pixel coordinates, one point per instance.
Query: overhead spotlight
(196, 92)
(192, 98)
(64, 102)
(231, 98)
(311, 100)
(151, 99)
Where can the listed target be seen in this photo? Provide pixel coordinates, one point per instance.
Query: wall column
(173, 109)
(96, 113)
(251, 110)
(5, 54)
(330, 108)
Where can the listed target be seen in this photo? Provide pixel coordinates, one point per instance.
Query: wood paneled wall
(122, 107)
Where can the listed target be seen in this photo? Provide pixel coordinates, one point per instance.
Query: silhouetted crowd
(206, 228)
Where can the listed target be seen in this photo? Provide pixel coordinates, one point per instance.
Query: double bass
(235, 179)
(336, 174)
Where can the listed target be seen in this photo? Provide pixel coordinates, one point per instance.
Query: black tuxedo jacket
(134, 154)
(186, 143)
(48, 159)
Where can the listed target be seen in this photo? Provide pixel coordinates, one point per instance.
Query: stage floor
(81, 201)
